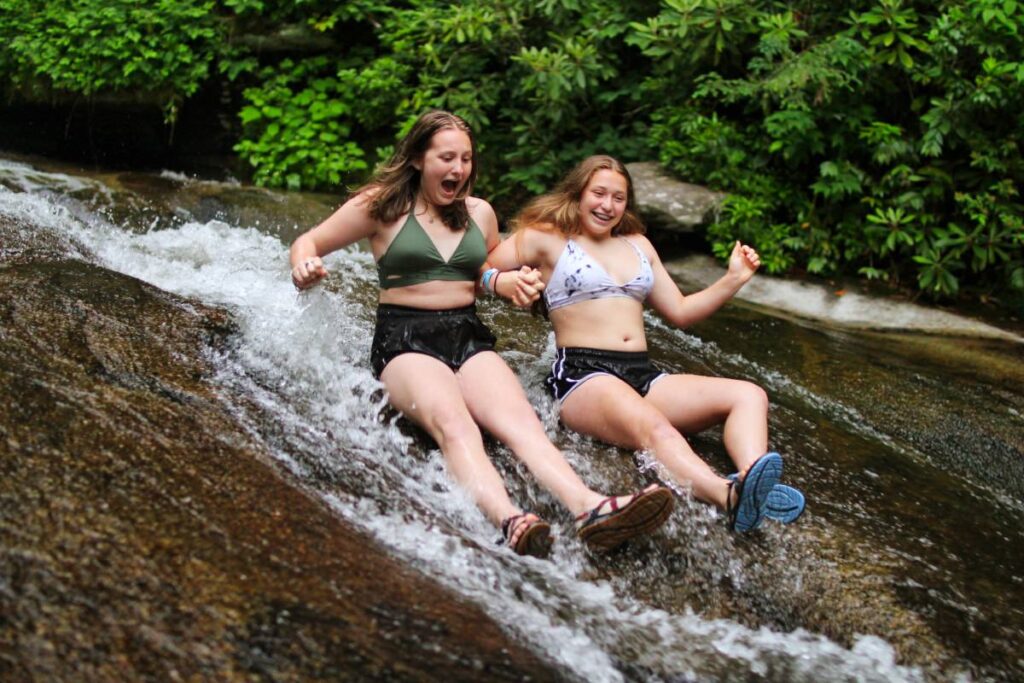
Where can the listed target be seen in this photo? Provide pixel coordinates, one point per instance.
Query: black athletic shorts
(573, 366)
(451, 335)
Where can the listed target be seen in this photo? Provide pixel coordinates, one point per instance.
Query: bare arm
(506, 255)
(483, 215)
(526, 285)
(347, 225)
(682, 310)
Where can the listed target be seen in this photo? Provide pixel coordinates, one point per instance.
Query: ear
(417, 164)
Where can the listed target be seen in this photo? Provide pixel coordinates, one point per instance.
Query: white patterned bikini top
(578, 277)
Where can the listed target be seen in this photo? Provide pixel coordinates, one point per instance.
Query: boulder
(668, 204)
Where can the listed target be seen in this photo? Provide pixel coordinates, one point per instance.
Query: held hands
(308, 272)
(743, 262)
(528, 286)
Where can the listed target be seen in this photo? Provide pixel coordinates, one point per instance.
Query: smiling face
(445, 167)
(603, 202)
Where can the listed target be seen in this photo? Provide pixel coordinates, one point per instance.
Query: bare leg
(427, 392)
(497, 402)
(607, 408)
(692, 403)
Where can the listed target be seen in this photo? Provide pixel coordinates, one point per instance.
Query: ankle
(732, 495)
(586, 503)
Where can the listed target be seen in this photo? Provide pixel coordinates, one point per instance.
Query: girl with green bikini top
(435, 357)
(412, 258)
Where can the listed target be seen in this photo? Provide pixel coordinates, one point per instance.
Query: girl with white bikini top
(599, 271)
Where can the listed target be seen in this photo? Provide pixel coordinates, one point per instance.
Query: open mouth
(449, 186)
(601, 216)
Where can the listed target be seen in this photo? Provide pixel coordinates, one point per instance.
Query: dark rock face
(144, 536)
(668, 204)
(94, 133)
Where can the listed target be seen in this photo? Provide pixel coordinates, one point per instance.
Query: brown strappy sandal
(534, 540)
(609, 525)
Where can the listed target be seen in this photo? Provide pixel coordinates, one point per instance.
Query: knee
(453, 425)
(754, 396)
(658, 430)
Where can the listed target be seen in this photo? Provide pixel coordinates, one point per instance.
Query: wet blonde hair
(395, 185)
(560, 209)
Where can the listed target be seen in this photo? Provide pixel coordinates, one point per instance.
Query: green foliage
(881, 137)
(541, 83)
(302, 119)
(162, 48)
(883, 141)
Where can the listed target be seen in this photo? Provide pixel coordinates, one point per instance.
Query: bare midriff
(435, 295)
(612, 324)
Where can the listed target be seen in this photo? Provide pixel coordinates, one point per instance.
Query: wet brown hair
(560, 208)
(395, 184)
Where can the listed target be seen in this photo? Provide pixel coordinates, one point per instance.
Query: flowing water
(906, 566)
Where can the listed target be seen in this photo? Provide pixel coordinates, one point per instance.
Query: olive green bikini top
(412, 258)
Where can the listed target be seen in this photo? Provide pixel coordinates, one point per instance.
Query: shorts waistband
(586, 352)
(388, 310)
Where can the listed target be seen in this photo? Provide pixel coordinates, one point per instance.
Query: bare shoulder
(365, 195)
(483, 215)
(542, 234)
(349, 223)
(645, 246)
(545, 241)
(480, 209)
(358, 206)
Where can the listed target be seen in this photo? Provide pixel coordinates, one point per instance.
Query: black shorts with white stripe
(575, 365)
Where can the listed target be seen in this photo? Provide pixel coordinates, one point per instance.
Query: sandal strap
(595, 513)
(585, 519)
(730, 510)
(509, 526)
